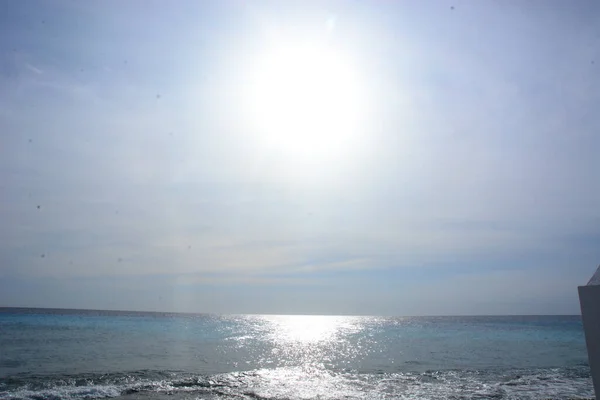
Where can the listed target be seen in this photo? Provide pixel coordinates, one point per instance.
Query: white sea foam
(65, 392)
(307, 383)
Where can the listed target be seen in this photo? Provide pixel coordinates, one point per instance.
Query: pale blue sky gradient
(475, 188)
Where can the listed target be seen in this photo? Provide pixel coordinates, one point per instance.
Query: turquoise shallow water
(69, 354)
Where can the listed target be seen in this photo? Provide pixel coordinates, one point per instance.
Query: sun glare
(308, 328)
(304, 99)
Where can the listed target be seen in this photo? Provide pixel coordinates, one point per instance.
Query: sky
(349, 157)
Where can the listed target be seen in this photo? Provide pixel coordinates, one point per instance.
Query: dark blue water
(67, 354)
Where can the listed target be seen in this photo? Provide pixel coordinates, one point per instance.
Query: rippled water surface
(52, 354)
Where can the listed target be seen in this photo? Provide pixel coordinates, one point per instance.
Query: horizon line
(5, 308)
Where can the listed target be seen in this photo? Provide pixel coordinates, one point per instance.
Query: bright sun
(304, 99)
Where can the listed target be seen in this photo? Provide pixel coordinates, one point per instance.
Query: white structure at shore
(589, 299)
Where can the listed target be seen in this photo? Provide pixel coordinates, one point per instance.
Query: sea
(50, 354)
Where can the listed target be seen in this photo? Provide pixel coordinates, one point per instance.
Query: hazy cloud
(128, 161)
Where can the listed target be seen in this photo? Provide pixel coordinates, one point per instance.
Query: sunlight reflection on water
(309, 329)
(306, 340)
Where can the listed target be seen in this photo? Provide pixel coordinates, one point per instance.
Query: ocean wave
(308, 383)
